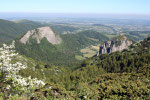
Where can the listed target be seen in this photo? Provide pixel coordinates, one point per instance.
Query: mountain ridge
(10, 30)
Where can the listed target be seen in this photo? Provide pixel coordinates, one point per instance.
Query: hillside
(137, 35)
(11, 30)
(45, 70)
(62, 29)
(119, 75)
(63, 53)
(131, 60)
(118, 43)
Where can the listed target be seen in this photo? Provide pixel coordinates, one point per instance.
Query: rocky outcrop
(40, 33)
(117, 44)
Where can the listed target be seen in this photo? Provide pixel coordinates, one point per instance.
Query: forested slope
(11, 30)
(119, 75)
(63, 53)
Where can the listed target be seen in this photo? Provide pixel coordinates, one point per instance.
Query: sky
(77, 6)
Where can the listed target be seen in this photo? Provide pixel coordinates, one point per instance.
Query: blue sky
(77, 6)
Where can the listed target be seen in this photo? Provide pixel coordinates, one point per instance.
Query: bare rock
(39, 34)
(114, 45)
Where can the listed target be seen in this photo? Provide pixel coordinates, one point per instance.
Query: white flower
(8, 87)
(6, 54)
(85, 97)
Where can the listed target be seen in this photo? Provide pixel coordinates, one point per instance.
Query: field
(90, 51)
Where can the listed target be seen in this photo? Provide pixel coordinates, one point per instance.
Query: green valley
(63, 53)
(60, 62)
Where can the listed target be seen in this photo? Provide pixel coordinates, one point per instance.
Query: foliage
(60, 29)
(10, 30)
(137, 35)
(13, 84)
(115, 76)
(126, 61)
(62, 54)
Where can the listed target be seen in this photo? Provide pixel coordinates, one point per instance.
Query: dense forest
(51, 72)
(10, 30)
(119, 75)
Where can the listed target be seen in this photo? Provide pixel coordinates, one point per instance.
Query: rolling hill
(10, 30)
(63, 53)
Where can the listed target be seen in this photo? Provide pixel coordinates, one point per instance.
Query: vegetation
(119, 75)
(90, 51)
(10, 30)
(63, 54)
(62, 29)
(41, 71)
(137, 35)
(75, 27)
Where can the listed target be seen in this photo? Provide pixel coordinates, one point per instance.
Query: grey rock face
(114, 45)
(39, 34)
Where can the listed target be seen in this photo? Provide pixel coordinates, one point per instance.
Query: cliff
(40, 33)
(118, 44)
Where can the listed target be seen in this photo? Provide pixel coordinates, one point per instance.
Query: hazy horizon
(124, 9)
(9, 15)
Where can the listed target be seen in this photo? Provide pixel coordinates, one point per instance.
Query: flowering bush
(9, 71)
